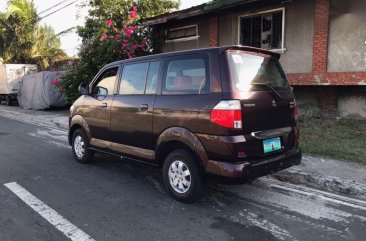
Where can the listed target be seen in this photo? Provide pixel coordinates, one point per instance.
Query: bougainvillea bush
(112, 31)
(128, 35)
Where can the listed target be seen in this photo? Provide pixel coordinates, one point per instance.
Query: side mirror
(100, 93)
(84, 88)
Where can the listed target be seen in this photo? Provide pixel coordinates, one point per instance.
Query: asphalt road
(113, 199)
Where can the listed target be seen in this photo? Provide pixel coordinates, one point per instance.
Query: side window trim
(157, 86)
(164, 67)
(149, 61)
(101, 73)
(122, 67)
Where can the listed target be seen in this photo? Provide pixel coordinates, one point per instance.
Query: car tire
(80, 147)
(182, 176)
(8, 100)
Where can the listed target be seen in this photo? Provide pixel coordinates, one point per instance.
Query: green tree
(112, 31)
(24, 40)
(46, 49)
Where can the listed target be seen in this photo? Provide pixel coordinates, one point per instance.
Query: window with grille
(263, 30)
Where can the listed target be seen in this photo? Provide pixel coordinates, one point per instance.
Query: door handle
(144, 107)
(104, 105)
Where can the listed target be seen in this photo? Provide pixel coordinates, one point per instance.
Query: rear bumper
(247, 171)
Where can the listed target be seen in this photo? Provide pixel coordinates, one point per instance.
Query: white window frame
(185, 38)
(280, 50)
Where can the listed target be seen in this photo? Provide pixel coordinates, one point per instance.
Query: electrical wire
(40, 18)
(58, 4)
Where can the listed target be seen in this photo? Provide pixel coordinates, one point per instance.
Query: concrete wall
(347, 36)
(307, 101)
(352, 106)
(349, 102)
(352, 102)
(201, 42)
(299, 32)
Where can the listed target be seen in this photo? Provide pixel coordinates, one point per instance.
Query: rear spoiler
(223, 49)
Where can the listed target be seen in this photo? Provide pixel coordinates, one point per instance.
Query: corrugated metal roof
(206, 8)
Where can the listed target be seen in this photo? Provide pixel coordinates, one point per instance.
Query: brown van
(227, 111)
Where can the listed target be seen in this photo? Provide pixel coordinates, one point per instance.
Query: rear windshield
(249, 71)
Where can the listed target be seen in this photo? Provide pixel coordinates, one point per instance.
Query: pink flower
(55, 82)
(134, 9)
(133, 28)
(133, 14)
(109, 23)
(125, 26)
(104, 36)
(124, 45)
(128, 33)
(118, 37)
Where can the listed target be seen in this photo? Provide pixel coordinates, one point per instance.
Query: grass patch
(337, 139)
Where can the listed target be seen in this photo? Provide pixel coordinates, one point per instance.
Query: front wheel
(182, 176)
(80, 147)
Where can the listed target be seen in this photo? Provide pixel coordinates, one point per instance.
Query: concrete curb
(325, 183)
(54, 120)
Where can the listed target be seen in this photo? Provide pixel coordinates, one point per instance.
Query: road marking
(278, 232)
(330, 197)
(62, 224)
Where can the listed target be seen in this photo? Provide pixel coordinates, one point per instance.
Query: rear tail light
(227, 113)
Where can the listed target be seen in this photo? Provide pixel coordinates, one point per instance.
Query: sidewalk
(56, 118)
(325, 174)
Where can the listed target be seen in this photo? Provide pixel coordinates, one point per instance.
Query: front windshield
(247, 70)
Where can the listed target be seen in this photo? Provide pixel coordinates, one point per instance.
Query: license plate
(271, 145)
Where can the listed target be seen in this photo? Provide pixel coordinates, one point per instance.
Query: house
(322, 44)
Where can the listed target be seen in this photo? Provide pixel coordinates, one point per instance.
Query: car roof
(220, 51)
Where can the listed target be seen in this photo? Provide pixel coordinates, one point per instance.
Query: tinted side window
(133, 79)
(152, 77)
(107, 81)
(186, 76)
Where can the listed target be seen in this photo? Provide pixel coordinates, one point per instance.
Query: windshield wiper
(273, 91)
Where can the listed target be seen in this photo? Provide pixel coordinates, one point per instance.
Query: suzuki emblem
(274, 103)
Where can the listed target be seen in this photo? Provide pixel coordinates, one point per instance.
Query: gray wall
(299, 32)
(201, 42)
(352, 106)
(347, 36)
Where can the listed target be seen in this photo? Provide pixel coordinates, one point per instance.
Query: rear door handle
(104, 105)
(144, 107)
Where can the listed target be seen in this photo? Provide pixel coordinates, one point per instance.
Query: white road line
(278, 232)
(62, 224)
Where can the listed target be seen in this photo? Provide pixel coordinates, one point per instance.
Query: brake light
(227, 113)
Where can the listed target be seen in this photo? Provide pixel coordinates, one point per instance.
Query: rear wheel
(80, 147)
(182, 177)
(8, 100)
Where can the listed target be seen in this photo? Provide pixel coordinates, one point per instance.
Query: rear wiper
(273, 91)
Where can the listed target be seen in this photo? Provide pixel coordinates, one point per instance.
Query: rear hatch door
(267, 100)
